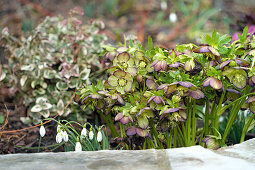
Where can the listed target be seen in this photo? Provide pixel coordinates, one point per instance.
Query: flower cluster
(157, 92)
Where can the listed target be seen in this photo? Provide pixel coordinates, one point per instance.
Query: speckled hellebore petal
(128, 86)
(132, 71)
(123, 57)
(151, 84)
(113, 81)
(216, 84)
(119, 74)
(131, 131)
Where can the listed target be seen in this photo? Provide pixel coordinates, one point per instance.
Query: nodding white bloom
(58, 128)
(65, 136)
(78, 147)
(99, 136)
(59, 137)
(91, 135)
(163, 5)
(42, 131)
(84, 133)
(173, 17)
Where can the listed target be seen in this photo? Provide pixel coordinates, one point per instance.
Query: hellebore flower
(213, 82)
(156, 102)
(95, 100)
(123, 119)
(99, 136)
(251, 102)
(91, 134)
(233, 94)
(42, 131)
(109, 56)
(127, 63)
(121, 80)
(209, 51)
(151, 84)
(176, 114)
(143, 116)
(142, 63)
(196, 94)
(211, 143)
(134, 130)
(159, 65)
(59, 137)
(251, 81)
(237, 76)
(78, 147)
(65, 136)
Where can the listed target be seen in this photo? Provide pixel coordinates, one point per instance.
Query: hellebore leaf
(131, 131)
(143, 122)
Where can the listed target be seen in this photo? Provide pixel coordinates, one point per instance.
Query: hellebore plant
(153, 98)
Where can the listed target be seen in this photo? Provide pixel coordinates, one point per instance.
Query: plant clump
(156, 96)
(46, 66)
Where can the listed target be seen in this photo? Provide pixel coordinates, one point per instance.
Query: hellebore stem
(246, 126)
(122, 130)
(194, 123)
(217, 117)
(155, 134)
(110, 124)
(175, 137)
(206, 127)
(188, 122)
(181, 138)
(234, 111)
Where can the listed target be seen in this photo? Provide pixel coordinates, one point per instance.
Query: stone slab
(241, 156)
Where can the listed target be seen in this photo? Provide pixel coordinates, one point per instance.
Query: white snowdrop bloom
(58, 128)
(99, 136)
(163, 5)
(173, 17)
(84, 133)
(59, 137)
(91, 135)
(42, 131)
(65, 136)
(78, 147)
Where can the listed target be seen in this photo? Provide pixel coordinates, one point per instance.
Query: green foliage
(57, 57)
(154, 93)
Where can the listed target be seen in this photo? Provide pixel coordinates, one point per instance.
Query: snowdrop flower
(78, 147)
(173, 17)
(163, 5)
(42, 131)
(84, 133)
(91, 135)
(99, 136)
(59, 137)
(58, 128)
(65, 136)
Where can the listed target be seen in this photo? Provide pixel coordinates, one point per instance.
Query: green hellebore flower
(121, 80)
